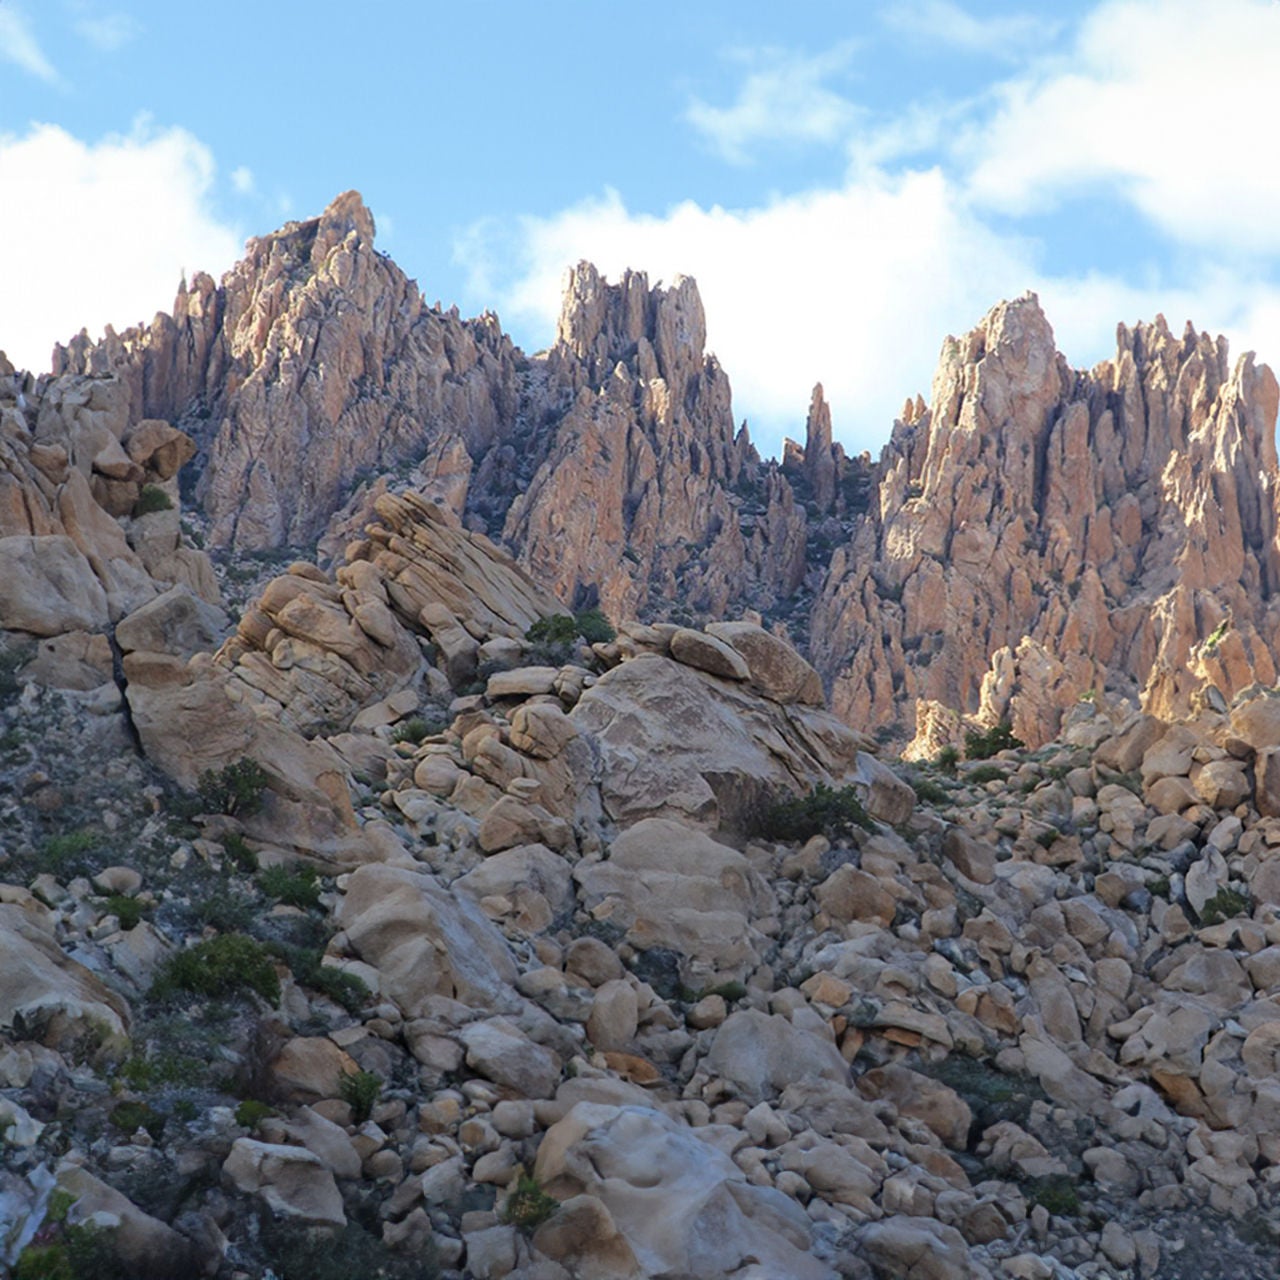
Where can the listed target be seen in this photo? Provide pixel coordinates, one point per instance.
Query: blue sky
(848, 182)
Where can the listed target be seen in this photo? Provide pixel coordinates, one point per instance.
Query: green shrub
(984, 773)
(152, 498)
(360, 1090)
(1226, 904)
(947, 760)
(929, 792)
(824, 811)
(237, 850)
(235, 789)
(528, 1206)
(251, 1113)
(129, 911)
(228, 965)
(131, 1116)
(64, 854)
(413, 730)
(1057, 1192)
(298, 888)
(308, 967)
(594, 627)
(982, 744)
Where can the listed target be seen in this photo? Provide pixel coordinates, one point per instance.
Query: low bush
(984, 773)
(553, 638)
(235, 789)
(360, 1090)
(308, 967)
(251, 1113)
(298, 888)
(824, 811)
(228, 965)
(152, 498)
(929, 792)
(947, 760)
(129, 911)
(983, 744)
(67, 854)
(1226, 904)
(528, 1206)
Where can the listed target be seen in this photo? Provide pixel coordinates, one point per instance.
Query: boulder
(425, 941)
(292, 1181)
(761, 1054)
(773, 666)
(48, 587)
(674, 887)
(700, 1218)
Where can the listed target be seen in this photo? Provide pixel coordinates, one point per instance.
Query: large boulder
(48, 587)
(773, 666)
(701, 1217)
(673, 887)
(292, 1181)
(47, 996)
(425, 941)
(762, 1054)
(176, 622)
(677, 742)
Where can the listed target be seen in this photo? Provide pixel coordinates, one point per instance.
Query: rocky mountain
(1033, 535)
(383, 939)
(1039, 533)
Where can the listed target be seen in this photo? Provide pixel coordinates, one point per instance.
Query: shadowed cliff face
(1035, 533)
(1040, 532)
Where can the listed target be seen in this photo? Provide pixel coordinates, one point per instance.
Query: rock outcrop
(1038, 532)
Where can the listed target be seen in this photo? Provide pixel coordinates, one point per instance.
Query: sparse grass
(251, 1113)
(237, 850)
(1056, 1192)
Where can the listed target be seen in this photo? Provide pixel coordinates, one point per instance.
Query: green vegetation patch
(528, 1206)
(985, 743)
(299, 888)
(360, 1090)
(236, 789)
(231, 964)
(824, 811)
(152, 498)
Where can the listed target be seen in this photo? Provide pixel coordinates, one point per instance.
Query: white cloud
(106, 31)
(943, 22)
(242, 180)
(1166, 103)
(853, 287)
(783, 99)
(18, 44)
(99, 232)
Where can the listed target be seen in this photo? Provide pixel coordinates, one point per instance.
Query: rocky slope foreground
(375, 937)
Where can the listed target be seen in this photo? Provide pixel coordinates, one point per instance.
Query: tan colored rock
(676, 742)
(849, 894)
(610, 1153)
(761, 1054)
(774, 667)
(49, 587)
(311, 1067)
(706, 653)
(674, 887)
(292, 1181)
(51, 998)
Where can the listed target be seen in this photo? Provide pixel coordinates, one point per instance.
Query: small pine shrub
(983, 744)
(360, 1090)
(413, 730)
(235, 789)
(129, 1117)
(129, 911)
(251, 1113)
(238, 852)
(947, 760)
(983, 774)
(152, 498)
(824, 811)
(528, 1206)
(308, 967)
(228, 965)
(298, 888)
(1057, 1193)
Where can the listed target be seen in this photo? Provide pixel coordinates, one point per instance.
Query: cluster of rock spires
(1024, 1023)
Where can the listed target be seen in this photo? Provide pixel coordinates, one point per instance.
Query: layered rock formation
(1039, 532)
